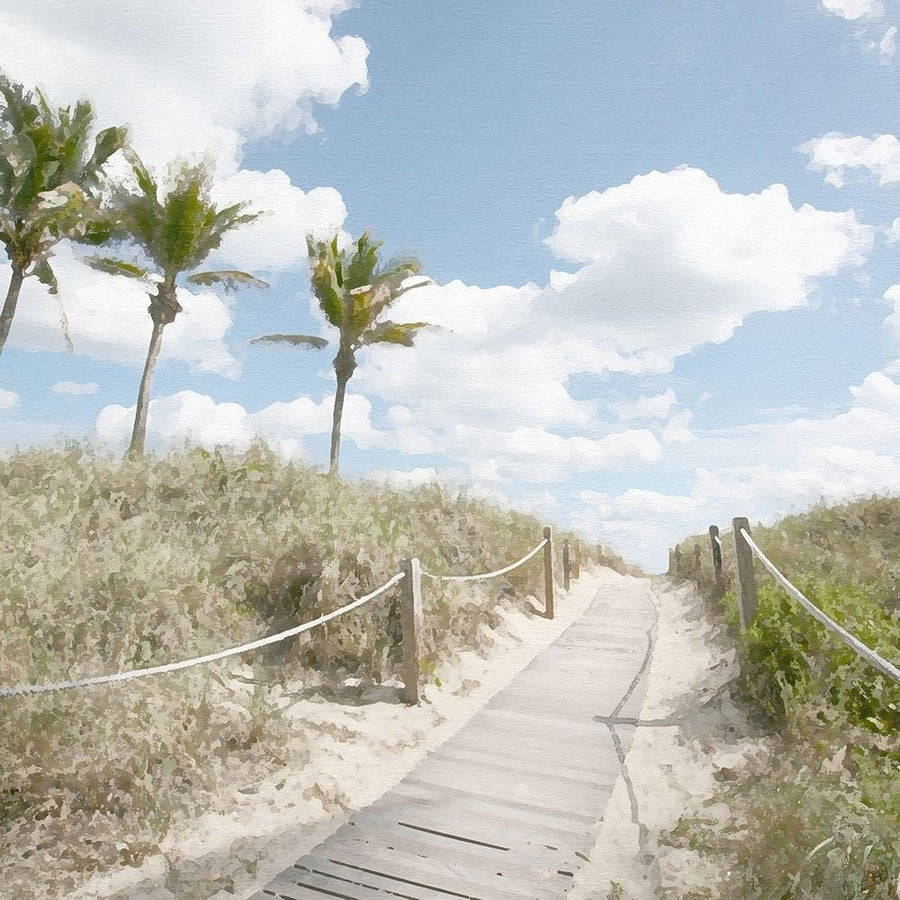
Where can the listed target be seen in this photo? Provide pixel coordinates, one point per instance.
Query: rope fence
(409, 578)
(485, 576)
(869, 655)
(745, 549)
(21, 690)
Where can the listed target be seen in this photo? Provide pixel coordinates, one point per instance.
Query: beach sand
(259, 823)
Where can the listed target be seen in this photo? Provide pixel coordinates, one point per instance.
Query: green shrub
(818, 816)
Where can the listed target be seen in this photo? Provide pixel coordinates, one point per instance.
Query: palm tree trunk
(9, 307)
(339, 395)
(139, 433)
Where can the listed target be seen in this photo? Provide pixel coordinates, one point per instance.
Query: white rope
(718, 540)
(486, 575)
(185, 664)
(865, 652)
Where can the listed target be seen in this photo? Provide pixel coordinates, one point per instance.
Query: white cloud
(835, 154)
(855, 9)
(671, 262)
(277, 239)
(8, 400)
(655, 407)
(108, 320)
(678, 430)
(189, 417)
(762, 471)
(892, 322)
(668, 262)
(888, 46)
(409, 478)
(187, 77)
(74, 388)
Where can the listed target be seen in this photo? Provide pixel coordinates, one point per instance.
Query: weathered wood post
(716, 547)
(746, 579)
(411, 624)
(567, 566)
(576, 561)
(550, 611)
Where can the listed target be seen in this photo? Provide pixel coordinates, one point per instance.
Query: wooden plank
(526, 811)
(591, 757)
(553, 795)
(481, 819)
(329, 879)
(282, 887)
(508, 808)
(548, 788)
(589, 780)
(391, 869)
(527, 726)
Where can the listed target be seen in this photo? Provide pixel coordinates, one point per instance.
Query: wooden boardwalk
(509, 806)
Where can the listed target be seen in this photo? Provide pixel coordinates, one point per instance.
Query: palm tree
(47, 175)
(175, 229)
(353, 291)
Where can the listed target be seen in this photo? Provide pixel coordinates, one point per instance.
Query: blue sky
(663, 239)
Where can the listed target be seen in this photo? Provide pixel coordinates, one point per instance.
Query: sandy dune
(258, 826)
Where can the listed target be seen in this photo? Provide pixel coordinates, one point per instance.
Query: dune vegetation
(111, 565)
(817, 815)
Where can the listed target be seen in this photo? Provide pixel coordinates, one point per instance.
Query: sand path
(508, 807)
(257, 828)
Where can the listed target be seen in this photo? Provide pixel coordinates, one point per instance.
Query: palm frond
(112, 266)
(393, 333)
(295, 340)
(145, 180)
(325, 275)
(389, 290)
(107, 142)
(45, 275)
(231, 279)
(361, 269)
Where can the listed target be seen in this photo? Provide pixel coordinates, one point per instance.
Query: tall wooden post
(746, 579)
(567, 566)
(716, 548)
(411, 623)
(576, 561)
(548, 575)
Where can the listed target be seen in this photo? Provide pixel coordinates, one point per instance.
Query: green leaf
(108, 141)
(230, 278)
(112, 266)
(44, 274)
(393, 333)
(295, 340)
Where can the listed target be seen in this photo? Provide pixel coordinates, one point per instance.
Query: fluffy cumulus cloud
(762, 471)
(892, 322)
(665, 263)
(187, 77)
(107, 315)
(277, 238)
(106, 319)
(887, 46)
(8, 400)
(656, 407)
(855, 9)
(191, 418)
(836, 154)
(74, 388)
(669, 262)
